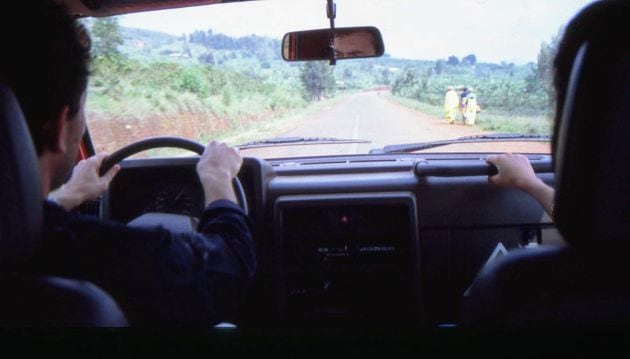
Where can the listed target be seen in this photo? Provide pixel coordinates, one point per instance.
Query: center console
(348, 259)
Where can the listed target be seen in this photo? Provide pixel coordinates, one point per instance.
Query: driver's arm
(216, 168)
(85, 183)
(218, 165)
(157, 276)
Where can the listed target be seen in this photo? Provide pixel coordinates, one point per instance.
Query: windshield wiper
(494, 137)
(293, 141)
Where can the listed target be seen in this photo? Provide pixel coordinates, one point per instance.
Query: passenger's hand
(217, 166)
(514, 171)
(85, 183)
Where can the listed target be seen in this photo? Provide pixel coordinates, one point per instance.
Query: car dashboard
(362, 240)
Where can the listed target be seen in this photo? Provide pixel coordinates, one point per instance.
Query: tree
(425, 79)
(541, 77)
(452, 60)
(317, 80)
(439, 66)
(405, 82)
(508, 67)
(106, 37)
(207, 58)
(384, 77)
(186, 46)
(470, 59)
(347, 74)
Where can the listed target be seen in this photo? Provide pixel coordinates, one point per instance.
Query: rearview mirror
(347, 43)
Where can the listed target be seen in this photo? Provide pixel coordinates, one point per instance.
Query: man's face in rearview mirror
(354, 44)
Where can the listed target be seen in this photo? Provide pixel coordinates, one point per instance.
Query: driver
(351, 44)
(157, 277)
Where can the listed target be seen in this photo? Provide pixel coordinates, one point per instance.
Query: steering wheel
(172, 142)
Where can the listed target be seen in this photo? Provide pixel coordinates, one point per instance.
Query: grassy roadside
(130, 100)
(274, 126)
(490, 120)
(260, 129)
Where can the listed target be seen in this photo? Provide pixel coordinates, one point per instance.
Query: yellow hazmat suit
(451, 103)
(470, 110)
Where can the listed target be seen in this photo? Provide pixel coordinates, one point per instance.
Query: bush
(211, 101)
(496, 89)
(191, 80)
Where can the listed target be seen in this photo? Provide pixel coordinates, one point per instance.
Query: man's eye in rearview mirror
(347, 43)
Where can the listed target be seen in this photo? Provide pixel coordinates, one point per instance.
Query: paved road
(372, 116)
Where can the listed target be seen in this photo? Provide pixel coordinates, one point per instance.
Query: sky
(493, 30)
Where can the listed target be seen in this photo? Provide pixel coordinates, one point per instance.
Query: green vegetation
(106, 37)
(208, 85)
(513, 98)
(490, 120)
(192, 101)
(204, 85)
(272, 126)
(158, 84)
(505, 93)
(317, 80)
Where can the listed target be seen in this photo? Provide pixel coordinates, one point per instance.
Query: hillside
(222, 84)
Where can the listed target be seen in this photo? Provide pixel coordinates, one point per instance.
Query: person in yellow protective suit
(451, 104)
(470, 109)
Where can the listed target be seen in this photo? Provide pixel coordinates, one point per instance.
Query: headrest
(592, 150)
(20, 192)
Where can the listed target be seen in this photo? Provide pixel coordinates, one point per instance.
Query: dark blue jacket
(157, 277)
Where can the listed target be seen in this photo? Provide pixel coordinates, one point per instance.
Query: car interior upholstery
(577, 284)
(29, 299)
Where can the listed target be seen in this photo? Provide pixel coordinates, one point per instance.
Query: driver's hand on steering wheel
(216, 168)
(85, 184)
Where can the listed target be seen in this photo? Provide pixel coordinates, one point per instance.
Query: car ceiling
(100, 8)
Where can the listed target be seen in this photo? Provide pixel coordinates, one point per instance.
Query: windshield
(451, 68)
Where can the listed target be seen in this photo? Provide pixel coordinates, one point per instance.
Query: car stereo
(348, 259)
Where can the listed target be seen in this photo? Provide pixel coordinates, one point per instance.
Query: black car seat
(586, 282)
(26, 299)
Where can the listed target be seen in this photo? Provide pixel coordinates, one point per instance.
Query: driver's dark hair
(45, 61)
(603, 22)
